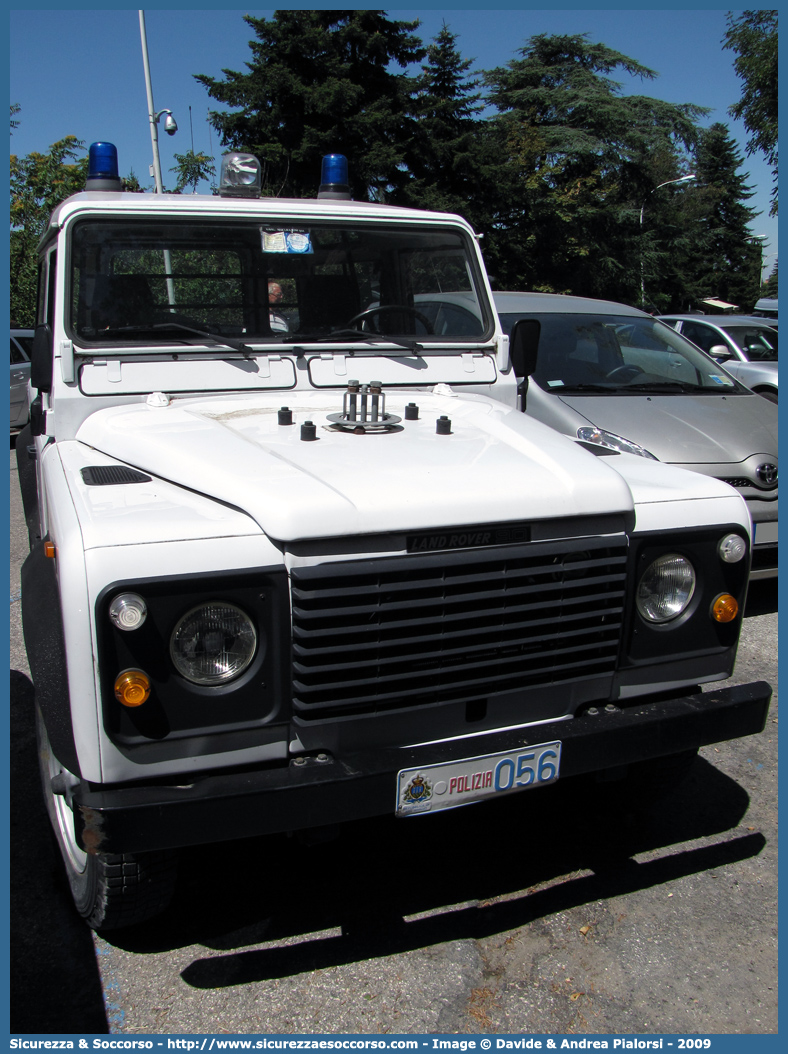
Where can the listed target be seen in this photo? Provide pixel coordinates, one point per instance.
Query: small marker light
(128, 611)
(725, 608)
(732, 548)
(132, 688)
(50, 550)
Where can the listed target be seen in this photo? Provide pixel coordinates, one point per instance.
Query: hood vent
(112, 475)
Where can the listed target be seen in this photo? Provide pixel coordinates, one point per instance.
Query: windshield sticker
(555, 384)
(286, 242)
(720, 380)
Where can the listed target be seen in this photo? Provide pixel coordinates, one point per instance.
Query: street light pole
(152, 117)
(171, 128)
(760, 239)
(682, 179)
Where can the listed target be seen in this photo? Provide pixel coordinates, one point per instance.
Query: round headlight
(665, 588)
(213, 643)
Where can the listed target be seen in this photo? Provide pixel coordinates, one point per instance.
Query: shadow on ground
(54, 985)
(468, 873)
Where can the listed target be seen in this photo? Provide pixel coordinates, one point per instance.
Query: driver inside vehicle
(277, 322)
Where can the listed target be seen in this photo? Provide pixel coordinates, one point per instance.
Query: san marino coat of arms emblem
(417, 791)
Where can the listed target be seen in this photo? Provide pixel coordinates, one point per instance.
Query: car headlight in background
(665, 588)
(599, 437)
(213, 643)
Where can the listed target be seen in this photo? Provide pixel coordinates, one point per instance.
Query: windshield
(186, 282)
(618, 354)
(758, 343)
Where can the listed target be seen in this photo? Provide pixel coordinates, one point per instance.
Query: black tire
(110, 890)
(767, 393)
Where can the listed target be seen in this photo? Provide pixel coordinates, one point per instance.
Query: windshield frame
(439, 245)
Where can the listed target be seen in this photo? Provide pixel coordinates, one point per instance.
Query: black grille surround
(380, 635)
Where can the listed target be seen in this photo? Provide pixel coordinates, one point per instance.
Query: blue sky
(97, 89)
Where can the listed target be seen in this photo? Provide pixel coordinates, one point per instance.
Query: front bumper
(322, 790)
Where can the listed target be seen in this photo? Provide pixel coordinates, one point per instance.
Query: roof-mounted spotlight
(240, 176)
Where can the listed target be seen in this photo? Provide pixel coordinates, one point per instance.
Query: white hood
(495, 466)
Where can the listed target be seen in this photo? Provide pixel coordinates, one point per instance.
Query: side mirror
(38, 417)
(720, 352)
(41, 359)
(523, 345)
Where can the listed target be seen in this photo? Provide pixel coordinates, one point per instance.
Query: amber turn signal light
(725, 608)
(132, 687)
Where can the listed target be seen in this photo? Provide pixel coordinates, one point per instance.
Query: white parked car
(280, 580)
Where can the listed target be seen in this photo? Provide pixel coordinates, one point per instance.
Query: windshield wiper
(351, 334)
(584, 388)
(222, 342)
(226, 342)
(665, 386)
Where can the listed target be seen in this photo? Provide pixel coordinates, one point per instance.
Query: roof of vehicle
(723, 321)
(510, 302)
(126, 203)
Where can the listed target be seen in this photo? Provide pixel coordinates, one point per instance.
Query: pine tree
(320, 82)
(753, 36)
(725, 260)
(581, 159)
(446, 157)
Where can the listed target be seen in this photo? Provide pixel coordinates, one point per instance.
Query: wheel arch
(42, 624)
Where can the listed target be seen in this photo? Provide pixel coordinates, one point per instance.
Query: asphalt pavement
(565, 909)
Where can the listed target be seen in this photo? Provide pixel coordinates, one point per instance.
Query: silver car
(746, 346)
(617, 379)
(21, 349)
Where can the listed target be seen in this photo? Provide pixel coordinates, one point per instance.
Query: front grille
(380, 635)
(742, 483)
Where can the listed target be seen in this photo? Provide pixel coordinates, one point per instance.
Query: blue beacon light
(334, 178)
(103, 167)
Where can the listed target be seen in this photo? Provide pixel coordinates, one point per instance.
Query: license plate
(431, 788)
(766, 532)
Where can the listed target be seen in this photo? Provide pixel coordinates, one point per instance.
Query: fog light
(132, 687)
(725, 608)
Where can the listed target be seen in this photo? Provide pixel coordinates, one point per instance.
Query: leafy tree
(753, 36)
(446, 157)
(15, 108)
(321, 82)
(191, 168)
(581, 158)
(39, 182)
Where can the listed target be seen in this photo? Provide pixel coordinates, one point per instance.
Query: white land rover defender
(296, 556)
